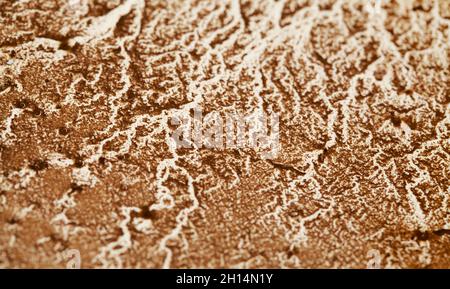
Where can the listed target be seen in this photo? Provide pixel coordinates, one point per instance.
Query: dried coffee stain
(87, 91)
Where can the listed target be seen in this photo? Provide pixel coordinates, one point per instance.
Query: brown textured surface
(86, 90)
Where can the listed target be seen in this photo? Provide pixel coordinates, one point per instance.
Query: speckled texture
(87, 89)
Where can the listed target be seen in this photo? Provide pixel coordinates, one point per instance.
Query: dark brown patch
(39, 165)
(63, 130)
